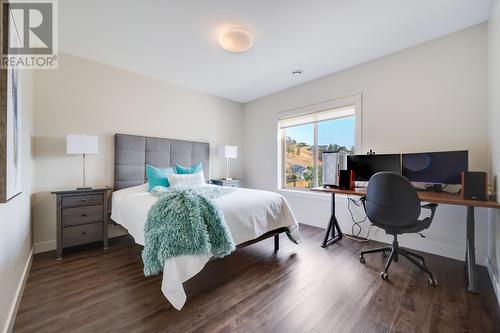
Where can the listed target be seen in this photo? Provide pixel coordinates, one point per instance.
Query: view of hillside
(299, 159)
(299, 162)
(331, 135)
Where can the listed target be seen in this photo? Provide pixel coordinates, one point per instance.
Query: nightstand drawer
(82, 234)
(81, 215)
(80, 200)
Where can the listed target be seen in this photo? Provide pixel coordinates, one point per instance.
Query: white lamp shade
(81, 144)
(227, 151)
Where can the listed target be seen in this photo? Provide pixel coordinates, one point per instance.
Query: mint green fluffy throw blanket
(184, 221)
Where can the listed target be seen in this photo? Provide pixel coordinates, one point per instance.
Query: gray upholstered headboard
(132, 153)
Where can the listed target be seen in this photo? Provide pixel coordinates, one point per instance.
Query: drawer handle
(84, 214)
(84, 233)
(84, 199)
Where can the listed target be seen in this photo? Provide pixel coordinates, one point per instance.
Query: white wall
(428, 97)
(494, 137)
(15, 217)
(87, 97)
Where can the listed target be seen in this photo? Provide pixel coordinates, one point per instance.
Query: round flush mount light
(236, 40)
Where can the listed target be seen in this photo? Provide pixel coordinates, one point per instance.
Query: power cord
(357, 224)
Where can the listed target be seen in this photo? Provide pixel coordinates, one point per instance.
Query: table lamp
(81, 144)
(227, 152)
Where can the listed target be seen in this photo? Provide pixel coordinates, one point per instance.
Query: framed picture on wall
(10, 124)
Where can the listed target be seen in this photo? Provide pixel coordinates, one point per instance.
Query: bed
(251, 215)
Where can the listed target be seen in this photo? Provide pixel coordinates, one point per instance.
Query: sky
(336, 131)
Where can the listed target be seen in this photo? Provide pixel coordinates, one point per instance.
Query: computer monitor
(365, 166)
(436, 167)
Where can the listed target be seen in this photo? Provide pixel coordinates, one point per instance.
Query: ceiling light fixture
(236, 40)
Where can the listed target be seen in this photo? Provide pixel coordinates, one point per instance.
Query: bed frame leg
(276, 242)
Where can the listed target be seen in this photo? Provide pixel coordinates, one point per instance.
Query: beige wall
(87, 97)
(494, 136)
(15, 217)
(429, 97)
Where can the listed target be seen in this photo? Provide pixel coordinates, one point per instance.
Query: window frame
(354, 101)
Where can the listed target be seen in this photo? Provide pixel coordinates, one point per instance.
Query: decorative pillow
(181, 170)
(192, 179)
(157, 177)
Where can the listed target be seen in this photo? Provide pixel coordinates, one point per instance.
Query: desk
(433, 197)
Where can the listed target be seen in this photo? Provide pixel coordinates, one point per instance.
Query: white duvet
(248, 213)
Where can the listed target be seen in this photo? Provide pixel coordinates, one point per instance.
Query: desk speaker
(346, 179)
(474, 185)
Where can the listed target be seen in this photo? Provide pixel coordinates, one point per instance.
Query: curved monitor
(436, 167)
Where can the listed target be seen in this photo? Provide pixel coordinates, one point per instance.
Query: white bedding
(248, 213)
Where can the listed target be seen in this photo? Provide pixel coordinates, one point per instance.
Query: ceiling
(176, 41)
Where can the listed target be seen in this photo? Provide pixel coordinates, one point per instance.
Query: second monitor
(443, 167)
(365, 166)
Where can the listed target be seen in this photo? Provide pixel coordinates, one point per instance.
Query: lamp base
(83, 188)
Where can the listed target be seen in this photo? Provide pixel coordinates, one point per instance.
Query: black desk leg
(332, 225)
(470, 253)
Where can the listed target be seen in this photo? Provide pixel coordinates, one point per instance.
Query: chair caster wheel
(384, 276)
(361, 260)
(432, 281)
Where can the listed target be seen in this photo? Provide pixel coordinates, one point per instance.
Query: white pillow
(193, 179)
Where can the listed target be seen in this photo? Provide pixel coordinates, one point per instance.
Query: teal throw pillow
(181, 170)
(157, 177)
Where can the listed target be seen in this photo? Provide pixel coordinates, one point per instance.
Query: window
(305, 137)
(299, 155)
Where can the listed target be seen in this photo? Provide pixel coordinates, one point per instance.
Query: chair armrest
(432, 207)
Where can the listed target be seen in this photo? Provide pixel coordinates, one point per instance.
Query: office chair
(392, 203)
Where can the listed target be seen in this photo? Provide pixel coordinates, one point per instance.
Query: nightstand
(227, 182)
(82, 217)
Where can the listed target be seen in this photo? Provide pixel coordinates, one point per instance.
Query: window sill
(305, 193)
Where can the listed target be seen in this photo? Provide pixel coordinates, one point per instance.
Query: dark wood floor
(300, 289)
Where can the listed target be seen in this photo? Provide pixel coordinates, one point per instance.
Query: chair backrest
(392, 201)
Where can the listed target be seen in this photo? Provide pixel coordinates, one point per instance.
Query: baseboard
(45, 246)
(493, 278)
(425, 245)
(418, 244)
(19, 294)
(113, 231)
